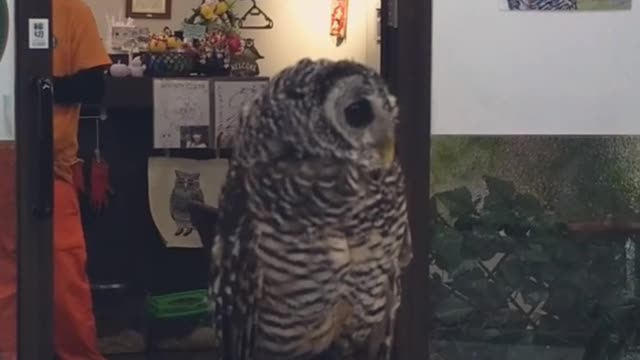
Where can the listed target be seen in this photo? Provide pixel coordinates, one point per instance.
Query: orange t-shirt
(77, 46)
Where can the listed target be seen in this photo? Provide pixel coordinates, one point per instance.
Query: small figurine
(245, 63)
(174, 43)
(119, 70)
(137, 68)
(157, 45)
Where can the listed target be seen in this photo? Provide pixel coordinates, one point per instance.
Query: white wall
(7, 81)
(301, 29)
(498, 72)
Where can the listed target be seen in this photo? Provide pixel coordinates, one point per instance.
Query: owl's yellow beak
(387, 150)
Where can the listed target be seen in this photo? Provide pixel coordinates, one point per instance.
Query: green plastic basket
(179, 305)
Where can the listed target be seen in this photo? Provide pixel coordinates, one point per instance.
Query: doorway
(25, 180)
(406, 65)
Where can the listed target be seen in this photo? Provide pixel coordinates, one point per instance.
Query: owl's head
(327, 109)
(186, 180)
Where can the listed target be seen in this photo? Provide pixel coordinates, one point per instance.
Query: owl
(186, 189)
(312, 234)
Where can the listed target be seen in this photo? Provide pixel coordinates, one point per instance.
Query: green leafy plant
(504, 269)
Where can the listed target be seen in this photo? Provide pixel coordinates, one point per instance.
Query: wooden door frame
(34, 187)
(406, 64)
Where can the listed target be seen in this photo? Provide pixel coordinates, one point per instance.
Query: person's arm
(88, 61)
(84, 87)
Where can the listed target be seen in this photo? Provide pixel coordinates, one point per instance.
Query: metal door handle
(44, 201)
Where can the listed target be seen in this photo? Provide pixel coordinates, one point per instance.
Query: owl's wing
(397, 221)
(233, 271)
(302, 194)
(390, 219)
(400, 219)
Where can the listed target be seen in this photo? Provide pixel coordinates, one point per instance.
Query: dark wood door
(25, 179)
(406, 65)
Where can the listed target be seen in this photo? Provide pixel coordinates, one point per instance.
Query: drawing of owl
(185, 189)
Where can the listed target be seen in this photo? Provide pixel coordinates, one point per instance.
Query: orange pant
(74, 324)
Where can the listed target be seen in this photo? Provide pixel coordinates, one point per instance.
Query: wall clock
(4, 26)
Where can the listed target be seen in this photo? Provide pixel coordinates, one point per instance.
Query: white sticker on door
(38, 33)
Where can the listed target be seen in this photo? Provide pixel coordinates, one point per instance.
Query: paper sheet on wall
(181, 113)
(230, 96)
(193, 31)
(173, 183)
(524, 80)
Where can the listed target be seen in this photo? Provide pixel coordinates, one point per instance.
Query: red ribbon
(100, 187)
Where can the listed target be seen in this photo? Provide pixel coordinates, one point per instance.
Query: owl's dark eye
(359, 114)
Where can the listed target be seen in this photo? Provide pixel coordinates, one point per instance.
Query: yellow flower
(221, 8)
(174, 43)
(207, 12)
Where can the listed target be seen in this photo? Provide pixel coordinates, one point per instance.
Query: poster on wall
(175, 183)
(229, 97)
(339, 18)
(565, 5)
(7, 71)
(181, 113)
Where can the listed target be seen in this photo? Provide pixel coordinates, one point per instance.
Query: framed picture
(149, 9)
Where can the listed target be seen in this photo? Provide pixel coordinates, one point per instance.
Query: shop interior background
(301, 29)
(137, 257)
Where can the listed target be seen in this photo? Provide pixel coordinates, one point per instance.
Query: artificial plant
(505, 269)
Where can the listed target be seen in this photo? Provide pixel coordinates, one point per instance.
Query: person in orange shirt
(79, 61)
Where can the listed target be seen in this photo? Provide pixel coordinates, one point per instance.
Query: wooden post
(406, 64)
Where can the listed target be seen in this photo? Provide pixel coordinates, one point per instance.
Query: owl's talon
(187, 232)
(179, 231)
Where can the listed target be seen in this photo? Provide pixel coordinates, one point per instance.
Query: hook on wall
(255, 11)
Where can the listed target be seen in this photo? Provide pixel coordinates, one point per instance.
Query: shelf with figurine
(210, 44)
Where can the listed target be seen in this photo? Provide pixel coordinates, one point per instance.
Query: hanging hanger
(254, 11)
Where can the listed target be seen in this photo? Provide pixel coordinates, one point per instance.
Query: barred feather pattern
(543, 4)
(309, 246)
